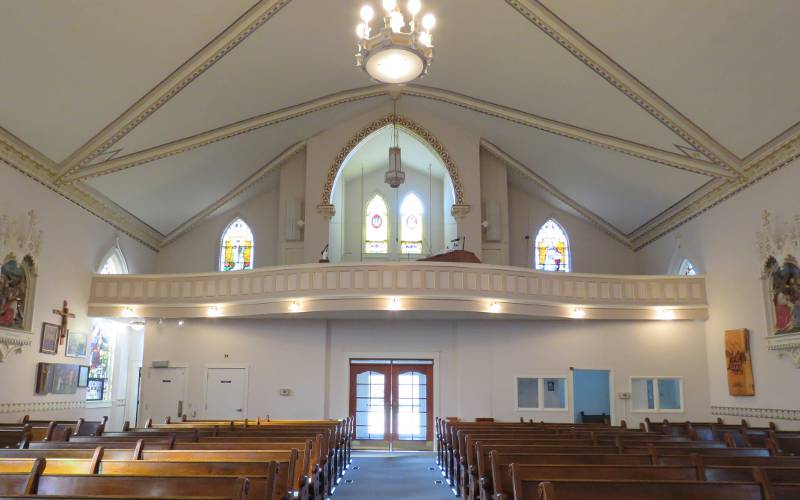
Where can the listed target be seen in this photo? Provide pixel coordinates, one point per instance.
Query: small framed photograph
(95, 389)
(76, 344)
(83, 376)
(50, 337)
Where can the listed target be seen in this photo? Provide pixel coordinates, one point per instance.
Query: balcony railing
(416, 289)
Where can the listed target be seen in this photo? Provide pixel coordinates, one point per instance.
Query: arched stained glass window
(411, 225)
(236, 247)
(551, 252)
(376, 234)
(114, 263)
(687, 268)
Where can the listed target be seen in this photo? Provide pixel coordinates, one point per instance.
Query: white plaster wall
(280, 354)
(74, 244)
(592, 250)
(722, 244)
(198, 250)
(477, 360)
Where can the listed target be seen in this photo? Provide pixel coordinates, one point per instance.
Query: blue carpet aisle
(393, 475)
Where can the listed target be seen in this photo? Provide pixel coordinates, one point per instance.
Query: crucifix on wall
(65, 315)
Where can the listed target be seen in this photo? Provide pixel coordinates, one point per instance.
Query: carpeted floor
(393, 475)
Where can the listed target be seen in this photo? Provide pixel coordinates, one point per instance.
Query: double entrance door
(392, 401)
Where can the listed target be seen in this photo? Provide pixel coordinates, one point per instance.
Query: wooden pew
(15, 437)
(628, 490)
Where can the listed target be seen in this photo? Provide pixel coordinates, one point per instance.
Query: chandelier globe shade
(399, 51)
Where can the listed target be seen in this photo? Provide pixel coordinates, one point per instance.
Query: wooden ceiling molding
(526, 171)
(543, 18)
(226, 41)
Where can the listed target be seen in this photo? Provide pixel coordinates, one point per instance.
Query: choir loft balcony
(418, 290)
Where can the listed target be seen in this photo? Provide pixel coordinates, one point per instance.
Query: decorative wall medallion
(416, 129)
(779, 246)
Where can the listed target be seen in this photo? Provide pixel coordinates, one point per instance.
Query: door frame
(143, 393)
(217, 366)
(611, 391)
(433, 355)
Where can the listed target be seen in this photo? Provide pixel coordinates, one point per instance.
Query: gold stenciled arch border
(413, 127)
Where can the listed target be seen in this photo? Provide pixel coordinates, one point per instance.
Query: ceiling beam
(565, 130)
(526, 171)
(226, 132)
(572, 132)
(625, 82)
(222, 44)
(243, 186)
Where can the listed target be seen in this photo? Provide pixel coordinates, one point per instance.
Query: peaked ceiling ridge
(168, 88)
(575, 43)
(585, 213)
(513, 115)
(256, 177)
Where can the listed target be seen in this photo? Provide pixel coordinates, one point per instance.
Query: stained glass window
(411, 225)
(236, 247)
(377, 227)
(115, 263)
(551, 251)
(101, 351)
(687, 268)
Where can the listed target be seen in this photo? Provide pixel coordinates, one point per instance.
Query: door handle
(180, 408)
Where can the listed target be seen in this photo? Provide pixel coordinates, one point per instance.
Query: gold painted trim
(544, 19)
(413, 127)
(226, 41)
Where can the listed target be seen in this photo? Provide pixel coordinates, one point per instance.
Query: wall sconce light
(181, 322)
(294, 307)
(394, 303)
(485, 224)
(666, 314)
(214, 312)
(495, 307)
(301, 223)
(579, 312)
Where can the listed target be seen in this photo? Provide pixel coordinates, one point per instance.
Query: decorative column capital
(326, 210)
(460, 211)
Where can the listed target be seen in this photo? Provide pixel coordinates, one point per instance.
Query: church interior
(489, 249)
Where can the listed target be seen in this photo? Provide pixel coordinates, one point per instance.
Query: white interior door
(226, 393)
(163, 393)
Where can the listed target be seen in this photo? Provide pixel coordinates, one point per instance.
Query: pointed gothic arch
(551, 249)
(114, 261)
(236, 246)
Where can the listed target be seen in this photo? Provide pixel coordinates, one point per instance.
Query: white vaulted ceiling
(624, 111)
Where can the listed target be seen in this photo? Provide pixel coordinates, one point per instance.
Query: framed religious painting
(44, 378)
(76, 344)
(17, 279)
(65, 379)
(49, 341)
(738, 363)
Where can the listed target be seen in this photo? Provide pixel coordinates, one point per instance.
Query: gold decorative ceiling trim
(221, 45)
(411, 126)
(623, 146)
(226, 132)
(544, 19)
(774, 144)
(473, 104)
(29, 164)
(527, 172)
(768, 165)
(252, 180)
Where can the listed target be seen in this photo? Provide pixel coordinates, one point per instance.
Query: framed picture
(65, 379)
(83, 376)
(740, 368)
(49, 343)
(44, 378)
(95, 389)
(76, 344)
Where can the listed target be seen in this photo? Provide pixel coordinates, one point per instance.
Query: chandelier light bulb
(396, 21)
(389, 5)
(361, 30)
(414, 6)
(367, 13)
(425, 38)
(428, 22)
